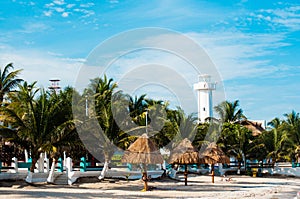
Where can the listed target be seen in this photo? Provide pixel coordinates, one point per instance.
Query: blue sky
(254, 44)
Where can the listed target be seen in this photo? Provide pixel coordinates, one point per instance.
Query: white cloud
(87, 5)
(59, 9)
(49, 5)
(48, 13)
(65, 14)
(34, 27)
(70, 6)
(64, 10)
(288, 16)
(239, 54)
(59, 2)
(39, 66)
(86, 13)
(54, 54)
(113, 1)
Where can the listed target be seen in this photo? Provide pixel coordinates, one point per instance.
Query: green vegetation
(41, 120)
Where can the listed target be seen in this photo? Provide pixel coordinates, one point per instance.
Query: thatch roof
(184, 153)
(213, 154)
(255, 127)
(143, 150)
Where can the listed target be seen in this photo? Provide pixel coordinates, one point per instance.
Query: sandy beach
(198, 187)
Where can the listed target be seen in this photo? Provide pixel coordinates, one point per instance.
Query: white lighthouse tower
(204, 88)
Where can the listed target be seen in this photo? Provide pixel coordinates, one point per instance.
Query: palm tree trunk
(31, 171)
(33, 165)
(239, 167)
(104, 170)
(50, 178)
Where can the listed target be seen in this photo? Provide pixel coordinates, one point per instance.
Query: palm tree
(297, 154)
(107, 106)
(185, 126)
(8, 80)
(159, 123)
(137, 108)
(275, 123)
(274, 144)
(40, 122)
(291, 126)
(230, 111)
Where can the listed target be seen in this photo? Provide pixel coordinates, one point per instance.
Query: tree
(185, 126)
(40, 122)
(274, 145)
(100, 130)
(229, 111)
(8, 80)
(291, 127)
(137, 107)
(235, 141)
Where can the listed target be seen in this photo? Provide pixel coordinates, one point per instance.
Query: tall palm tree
(8, 80)
(230, 111)
(104, 140)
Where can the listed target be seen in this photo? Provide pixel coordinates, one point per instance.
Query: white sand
(198, 187)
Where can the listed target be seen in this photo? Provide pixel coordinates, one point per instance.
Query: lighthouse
(204, 88)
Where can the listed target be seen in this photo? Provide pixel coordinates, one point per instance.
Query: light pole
(86, 106)
(147, 121)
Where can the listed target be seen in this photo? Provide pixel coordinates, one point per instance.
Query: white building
(205, 88)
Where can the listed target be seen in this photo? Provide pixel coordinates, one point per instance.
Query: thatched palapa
(255, 127)
(143, 150)
(185, 153)
(212, 155)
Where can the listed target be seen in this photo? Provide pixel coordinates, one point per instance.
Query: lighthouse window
(204, 109)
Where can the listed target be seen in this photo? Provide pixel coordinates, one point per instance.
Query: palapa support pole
(213, 173)
(145, 179)
(185, 175)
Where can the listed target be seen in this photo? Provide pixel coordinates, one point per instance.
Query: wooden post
(213, 173)
(185, 175)
(145, 179)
